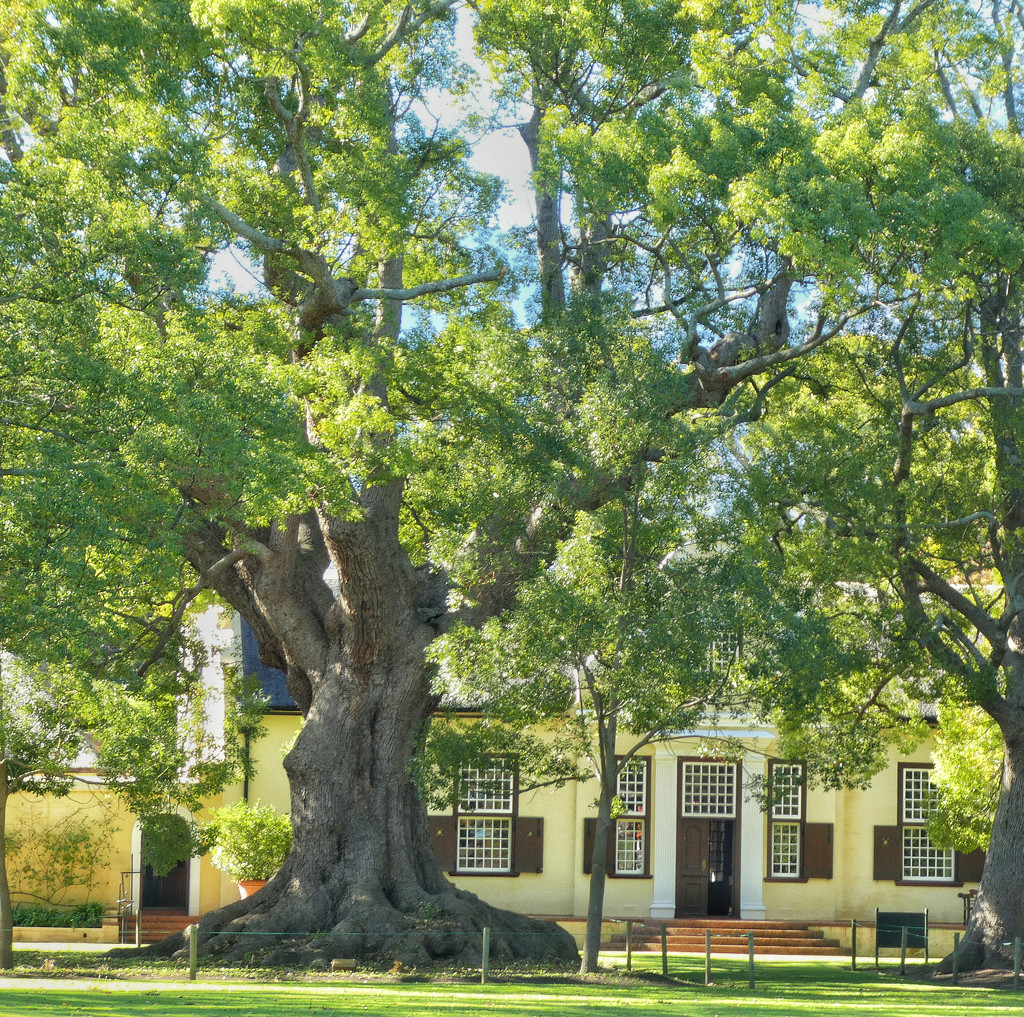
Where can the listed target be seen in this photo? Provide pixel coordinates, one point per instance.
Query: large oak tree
(370, 408)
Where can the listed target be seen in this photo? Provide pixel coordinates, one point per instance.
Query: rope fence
(908, 933)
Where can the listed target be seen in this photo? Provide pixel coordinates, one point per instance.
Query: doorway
(705, 865)
(167, 891)
(164, 850)
(706, 841)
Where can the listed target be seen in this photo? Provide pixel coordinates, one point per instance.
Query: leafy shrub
(250, 840)
(78, 916)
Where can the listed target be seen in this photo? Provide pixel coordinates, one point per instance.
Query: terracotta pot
(247, 887)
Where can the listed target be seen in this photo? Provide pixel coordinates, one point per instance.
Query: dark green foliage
(75, 916)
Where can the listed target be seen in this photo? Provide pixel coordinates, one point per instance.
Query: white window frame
(709, 789)
(786, 820)
(631, 827)
(787, 850)
(920, 860)
(483, 827)
(724, 650)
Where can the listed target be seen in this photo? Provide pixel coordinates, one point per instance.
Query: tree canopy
(775, 231)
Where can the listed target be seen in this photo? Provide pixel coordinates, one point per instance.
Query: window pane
(922, 860)
(487, 790)
(786, 849)
(485, 845)
(787, 797)
(629, 846)
(917, 794)
(632, 789)
(724, 650)
(709, 789)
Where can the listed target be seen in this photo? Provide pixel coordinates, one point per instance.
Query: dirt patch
(983, 978)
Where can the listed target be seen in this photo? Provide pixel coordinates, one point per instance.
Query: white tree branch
(440, 286)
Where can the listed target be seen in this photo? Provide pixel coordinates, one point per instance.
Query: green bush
(250, 840)
(78, 916)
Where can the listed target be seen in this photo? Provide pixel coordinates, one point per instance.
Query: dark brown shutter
(443, 840)
(589, 828)
(888, 853)
(528, 845)
(818, 850)
(968, 867)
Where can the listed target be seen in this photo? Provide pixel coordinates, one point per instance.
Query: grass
(95, 986)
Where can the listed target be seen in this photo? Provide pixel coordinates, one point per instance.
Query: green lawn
(812, 989)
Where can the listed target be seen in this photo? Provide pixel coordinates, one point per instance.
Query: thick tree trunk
(607, 773)
(361, 879)
(998, 913)
(598, 878)
(547, 194)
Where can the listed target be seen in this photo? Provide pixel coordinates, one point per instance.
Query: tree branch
(945, 591)
(440, 286)
(756, 365)
(992, 392)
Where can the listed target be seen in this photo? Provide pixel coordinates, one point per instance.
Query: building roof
(272, 681)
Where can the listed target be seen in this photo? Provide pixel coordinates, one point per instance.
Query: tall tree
(902, 495)
(430, 458)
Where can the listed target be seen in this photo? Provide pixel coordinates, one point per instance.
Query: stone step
(157, 925)
(730, 936)
(760, 949)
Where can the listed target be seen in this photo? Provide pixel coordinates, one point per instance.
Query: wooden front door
(692, 872)
(167, 891)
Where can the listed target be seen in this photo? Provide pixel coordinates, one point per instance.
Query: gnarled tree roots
(278, 928)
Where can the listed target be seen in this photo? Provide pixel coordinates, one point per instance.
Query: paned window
(922, 860)
(917, 794)
(787, 787)
(632, 790)
(709, 789)
(631, 827)
(487, 790)
(785, 850)
(485, 820)
(786, 826)
(485, 844)
(630, 835)
(724, 651)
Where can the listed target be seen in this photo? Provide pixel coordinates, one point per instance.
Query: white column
(665, 822)
(752, 847)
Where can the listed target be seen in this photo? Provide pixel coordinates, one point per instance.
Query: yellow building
(693, 840)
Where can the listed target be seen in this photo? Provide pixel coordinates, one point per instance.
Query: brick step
(796, 934)
(738, 939)
(679, 941)
(790, 949)
(157, 925)
(730, 936)
(718, 924)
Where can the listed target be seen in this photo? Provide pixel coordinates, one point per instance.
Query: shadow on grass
(805, 989)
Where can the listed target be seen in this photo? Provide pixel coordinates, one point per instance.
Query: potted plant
(250, 841)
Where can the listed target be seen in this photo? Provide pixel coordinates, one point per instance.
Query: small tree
(37, 750)
(609, 647)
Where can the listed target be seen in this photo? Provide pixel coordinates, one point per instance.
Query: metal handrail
(127, 909)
